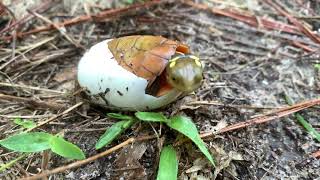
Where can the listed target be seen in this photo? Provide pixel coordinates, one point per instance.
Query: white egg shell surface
(111, 86)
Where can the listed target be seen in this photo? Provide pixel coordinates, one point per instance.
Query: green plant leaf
(317, 66)
(130, 1)
(113, 132)
(168, 166)
(151, 116)
(119, 116)
(185, 126)
(28, 124)
(65, 149)
(27, 142)
(313, 132)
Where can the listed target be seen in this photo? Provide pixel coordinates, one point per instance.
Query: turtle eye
(176, 81)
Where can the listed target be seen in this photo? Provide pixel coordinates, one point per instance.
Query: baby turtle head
(184, 72)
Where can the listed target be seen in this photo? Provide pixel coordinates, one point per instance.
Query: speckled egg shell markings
(110, 85)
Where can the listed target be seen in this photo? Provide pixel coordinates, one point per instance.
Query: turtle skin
(144, 55)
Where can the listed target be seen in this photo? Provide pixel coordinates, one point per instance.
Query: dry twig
(60, 29)
(33, 102)
(56, 116)
(216, 103)
(30, 87)
(267, 117)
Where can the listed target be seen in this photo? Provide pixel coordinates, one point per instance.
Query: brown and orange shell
(145, 56)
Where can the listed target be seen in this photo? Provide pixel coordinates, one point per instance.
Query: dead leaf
(127, 163)
(198, 165)
(66, 78)
(66, 74)
(224, 159)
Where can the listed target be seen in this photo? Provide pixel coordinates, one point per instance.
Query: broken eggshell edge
(111, 86)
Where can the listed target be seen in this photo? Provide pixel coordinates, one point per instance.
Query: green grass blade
(313, 132)
(28, 124)
(65, 149)
(185, 126)
(119, 116)
(168, 166)
(27, 142)
(113, 132)
(11, 163)
(151, 116)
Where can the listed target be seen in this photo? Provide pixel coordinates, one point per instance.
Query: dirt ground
(248, 71)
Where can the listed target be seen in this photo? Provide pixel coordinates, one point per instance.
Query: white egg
(111, 86)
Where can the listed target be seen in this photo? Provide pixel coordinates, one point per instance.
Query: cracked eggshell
(111, 86)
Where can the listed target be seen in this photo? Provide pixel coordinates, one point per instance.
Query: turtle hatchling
(138, 73)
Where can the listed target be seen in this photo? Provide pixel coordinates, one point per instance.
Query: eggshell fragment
(111, 86)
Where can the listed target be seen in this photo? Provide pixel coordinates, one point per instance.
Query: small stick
(302, 46)
(32, 102)
(33, 46)
(26, 117)
(30, 87)
(54, 55)
(45, 160)
(266, 118)
(216, 103)
(64, 33)
(56, 116)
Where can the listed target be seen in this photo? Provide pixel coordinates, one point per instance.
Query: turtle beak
(192, 85)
